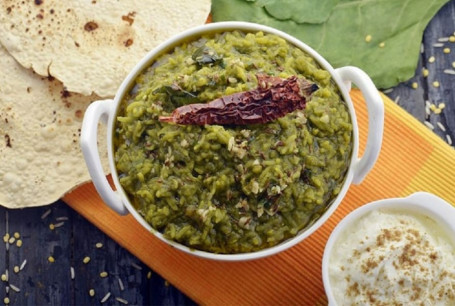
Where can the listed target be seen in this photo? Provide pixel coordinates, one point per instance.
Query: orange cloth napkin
(412, 159)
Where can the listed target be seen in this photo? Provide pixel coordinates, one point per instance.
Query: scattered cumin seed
(58, 224)
(46, 213)
(136, 266)
(431, 59)
(86, 260)
(449, 139)
(436, 84)
(368, 38)
(51, 259)
(429, 125)
(446, 50)
(19, 243)
(441, 126)
(449, 71)
(105, 298)
(17, 235)
(120, 300)
(104, 274)
(98, 245)
(51, 226)
(23, 265)
(91, 292)
(16, 269)
(120, 284)
(14, 288)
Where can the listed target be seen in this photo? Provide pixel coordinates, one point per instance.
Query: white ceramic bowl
(106, 111)
(420, 203)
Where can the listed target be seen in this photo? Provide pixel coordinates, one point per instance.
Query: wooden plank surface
(42, 282)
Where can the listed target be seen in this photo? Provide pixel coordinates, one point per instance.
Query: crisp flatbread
(40, 124)
(91, 45)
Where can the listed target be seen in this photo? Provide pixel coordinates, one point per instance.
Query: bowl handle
(375, 107)
(96, 112)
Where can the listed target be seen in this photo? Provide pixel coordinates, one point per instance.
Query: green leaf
(300, 11)
(399, 24)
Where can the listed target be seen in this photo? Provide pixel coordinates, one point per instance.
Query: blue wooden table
(61, 257)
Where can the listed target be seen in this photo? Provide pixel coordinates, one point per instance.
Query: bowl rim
(417, 203)
(194, 33)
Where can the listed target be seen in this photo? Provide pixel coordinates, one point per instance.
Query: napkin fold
(412, 159)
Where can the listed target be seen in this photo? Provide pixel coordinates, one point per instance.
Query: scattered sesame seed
(449, 139)
(19, 243)
(443, 39)
(446, 50)
(368, 38)
(99, 245)
(105, 298)
(123, 301)
(429, 125)
(6, 237)
(72, 272)
(431, 59)
(452, 38)
(51, 259)
(17, 235)
(453, 64)
(86, 260)
(51, 226)
(23, 265)
(59, 224)
(16, 289)
(438, 45)
(11, 240)
(16, 269)
(104, 274)
(91, 292)
(6, 300)
(415, 85)
(382, 45)
(449, 71)
(4, 278)
(120, 284)
(46, 213)
(136, 266)
(436, 84)
(149, 275)
(425, 72)
(441, 126)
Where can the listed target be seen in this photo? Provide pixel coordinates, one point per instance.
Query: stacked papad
(56, 58)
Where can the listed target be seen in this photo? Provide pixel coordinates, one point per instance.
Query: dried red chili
(273, 98)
